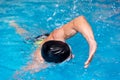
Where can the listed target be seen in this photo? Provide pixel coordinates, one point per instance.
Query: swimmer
(54, 49)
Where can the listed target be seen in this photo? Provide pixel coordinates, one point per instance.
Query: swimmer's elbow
(77, 21)
(81, 17)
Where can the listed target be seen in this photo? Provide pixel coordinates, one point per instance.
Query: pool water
(43, 16)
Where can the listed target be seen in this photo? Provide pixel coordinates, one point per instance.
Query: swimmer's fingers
(88, 61)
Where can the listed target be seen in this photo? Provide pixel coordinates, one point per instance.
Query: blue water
(43, 16)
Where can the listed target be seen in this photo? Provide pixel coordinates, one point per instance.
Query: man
(54, 49)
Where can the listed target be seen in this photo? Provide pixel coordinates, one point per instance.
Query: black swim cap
(55, 51)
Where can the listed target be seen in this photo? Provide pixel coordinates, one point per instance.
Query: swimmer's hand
(93, 46)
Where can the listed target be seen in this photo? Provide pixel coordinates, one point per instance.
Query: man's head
(55, 51)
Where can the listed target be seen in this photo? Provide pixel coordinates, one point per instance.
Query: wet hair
(55, 51)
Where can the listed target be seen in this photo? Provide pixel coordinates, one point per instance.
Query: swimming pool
(38, 17)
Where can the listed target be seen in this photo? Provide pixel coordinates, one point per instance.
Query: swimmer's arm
(19, 30)
(37, 63)
(82, 26)
(22, 32)
(37, 56)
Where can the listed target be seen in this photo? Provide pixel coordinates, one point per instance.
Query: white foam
(50, 18)
(54, 13)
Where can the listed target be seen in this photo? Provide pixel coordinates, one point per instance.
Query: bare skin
(80, 25)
